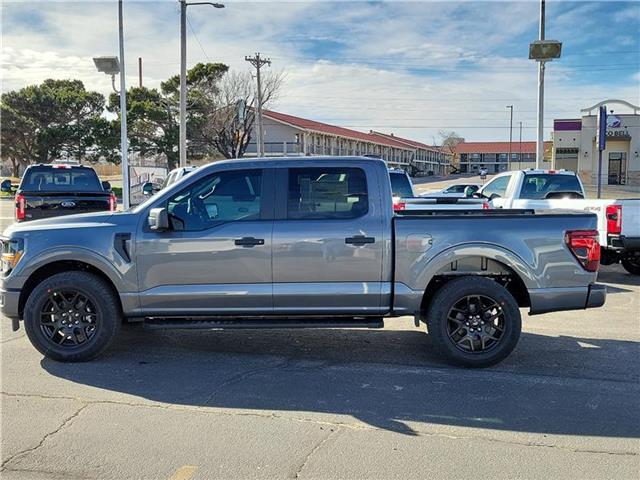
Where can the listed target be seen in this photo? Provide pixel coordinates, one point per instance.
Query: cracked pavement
(331, 403)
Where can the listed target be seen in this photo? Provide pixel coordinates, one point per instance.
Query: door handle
(359, 240)
(248, 241)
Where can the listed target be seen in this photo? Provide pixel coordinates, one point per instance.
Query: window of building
(327, 193)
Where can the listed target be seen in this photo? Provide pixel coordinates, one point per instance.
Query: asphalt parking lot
(331, 403)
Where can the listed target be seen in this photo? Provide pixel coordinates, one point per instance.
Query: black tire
(478, 340)
(631, 265)
(91, 302)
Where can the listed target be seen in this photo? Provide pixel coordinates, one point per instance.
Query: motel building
(288, 135)
(472, 157)
(574, 144)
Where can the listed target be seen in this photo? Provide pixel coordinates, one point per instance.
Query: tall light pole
(259, 62)
(183, 75)
(124, 143)
(111, 66)
(520, 154)
(542, 51)
(510, 107)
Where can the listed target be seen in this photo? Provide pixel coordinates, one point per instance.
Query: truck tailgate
(52, 204)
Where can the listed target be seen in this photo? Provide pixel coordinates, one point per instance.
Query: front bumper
(544, 300)
(9, 305)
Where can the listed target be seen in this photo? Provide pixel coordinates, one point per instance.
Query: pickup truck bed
(297, 242)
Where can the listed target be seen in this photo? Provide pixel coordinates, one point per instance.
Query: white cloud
(410, 68)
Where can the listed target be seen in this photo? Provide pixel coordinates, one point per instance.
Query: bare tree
(449, 140)
(228, 126)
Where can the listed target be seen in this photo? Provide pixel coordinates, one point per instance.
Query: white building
(289, 136)
(574, 144)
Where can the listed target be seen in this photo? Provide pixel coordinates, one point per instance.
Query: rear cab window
(326, 193)
(539, 185)
(60, 179)
(400, 185)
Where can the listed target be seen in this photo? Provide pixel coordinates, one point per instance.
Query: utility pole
(140, 72)
(124, 144)
(520, 155)
(510, 107)
(541, 66)
(259, 62)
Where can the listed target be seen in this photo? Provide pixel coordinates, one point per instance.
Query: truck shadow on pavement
(388, 379)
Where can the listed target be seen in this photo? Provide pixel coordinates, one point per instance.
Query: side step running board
(219, 323)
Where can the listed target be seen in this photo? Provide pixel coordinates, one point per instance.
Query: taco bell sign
(601, 137)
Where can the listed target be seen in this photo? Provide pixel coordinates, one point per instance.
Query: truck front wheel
(631, 265)
(72, 316)
(474, 322)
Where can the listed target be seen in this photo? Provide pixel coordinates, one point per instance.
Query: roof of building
(496, 147)
(373, 137)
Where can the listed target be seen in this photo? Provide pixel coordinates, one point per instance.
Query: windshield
(538, 186)
(401, 185)
(53, 179)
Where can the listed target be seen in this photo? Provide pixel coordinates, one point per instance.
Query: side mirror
(147, 189)
(106, 186)
(494, 196)
(5, 186)
(158, 219)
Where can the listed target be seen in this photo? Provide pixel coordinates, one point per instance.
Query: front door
(617, 166)
(328, 241)
(216, 258)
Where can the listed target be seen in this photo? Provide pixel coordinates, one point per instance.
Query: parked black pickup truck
(53, 190)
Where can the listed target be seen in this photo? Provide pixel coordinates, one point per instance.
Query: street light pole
(124, 144)
(541, 66)
(183, 83)
(520, 155)
(510, 107)
(183, 75)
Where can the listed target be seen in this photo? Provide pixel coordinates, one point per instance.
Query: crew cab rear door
(327, 240)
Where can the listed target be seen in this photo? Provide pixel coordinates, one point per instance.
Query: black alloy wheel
(475, 323)
(68, 318)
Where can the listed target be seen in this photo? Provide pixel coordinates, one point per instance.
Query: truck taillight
(485, 206)
(398, 206)
(113, 202)
(20, 207)
(614, 219)
(585, 246)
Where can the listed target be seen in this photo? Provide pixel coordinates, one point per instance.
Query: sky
(412, 68)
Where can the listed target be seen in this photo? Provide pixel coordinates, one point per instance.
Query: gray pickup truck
(295, 243)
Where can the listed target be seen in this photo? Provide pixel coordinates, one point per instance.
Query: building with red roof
(494, 156)
(290, 135)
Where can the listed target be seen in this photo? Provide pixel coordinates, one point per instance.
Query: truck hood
(82, 220)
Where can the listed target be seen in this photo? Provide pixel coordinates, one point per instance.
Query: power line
(193, 31)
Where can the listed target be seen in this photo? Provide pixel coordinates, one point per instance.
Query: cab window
(497, 187)
(222, 197)
(537, 186)
(326, 193)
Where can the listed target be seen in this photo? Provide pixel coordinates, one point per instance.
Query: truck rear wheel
(631, 265)
(474, 322)
(72, 316)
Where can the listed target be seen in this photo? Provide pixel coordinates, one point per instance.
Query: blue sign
(601, 137)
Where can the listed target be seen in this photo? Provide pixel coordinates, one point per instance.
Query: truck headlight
(12, 250)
